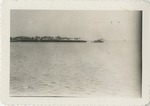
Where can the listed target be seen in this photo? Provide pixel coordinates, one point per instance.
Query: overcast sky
(87, 24)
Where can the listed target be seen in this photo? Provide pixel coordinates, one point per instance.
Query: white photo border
(9, 5)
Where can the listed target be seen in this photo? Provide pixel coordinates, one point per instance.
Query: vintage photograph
(75, 53)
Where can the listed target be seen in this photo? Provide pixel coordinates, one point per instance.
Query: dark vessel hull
(98, 41)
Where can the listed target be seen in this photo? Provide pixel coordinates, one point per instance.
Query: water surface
(109, 69)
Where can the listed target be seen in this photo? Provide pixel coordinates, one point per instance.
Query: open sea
(109, 69)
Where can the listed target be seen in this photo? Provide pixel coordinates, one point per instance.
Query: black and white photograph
(76, 53)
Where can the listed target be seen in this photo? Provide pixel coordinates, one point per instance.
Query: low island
(45, 39)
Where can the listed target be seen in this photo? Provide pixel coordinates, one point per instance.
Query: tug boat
(101, 40)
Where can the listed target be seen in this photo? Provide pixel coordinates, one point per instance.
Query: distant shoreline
(52, 41)
(45, 39)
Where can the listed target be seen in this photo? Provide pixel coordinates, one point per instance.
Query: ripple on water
(81, 68)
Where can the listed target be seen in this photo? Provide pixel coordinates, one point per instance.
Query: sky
(86, 24)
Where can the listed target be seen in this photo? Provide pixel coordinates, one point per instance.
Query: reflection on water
(75, 69)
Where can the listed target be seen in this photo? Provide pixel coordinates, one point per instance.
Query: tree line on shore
(43, 38)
